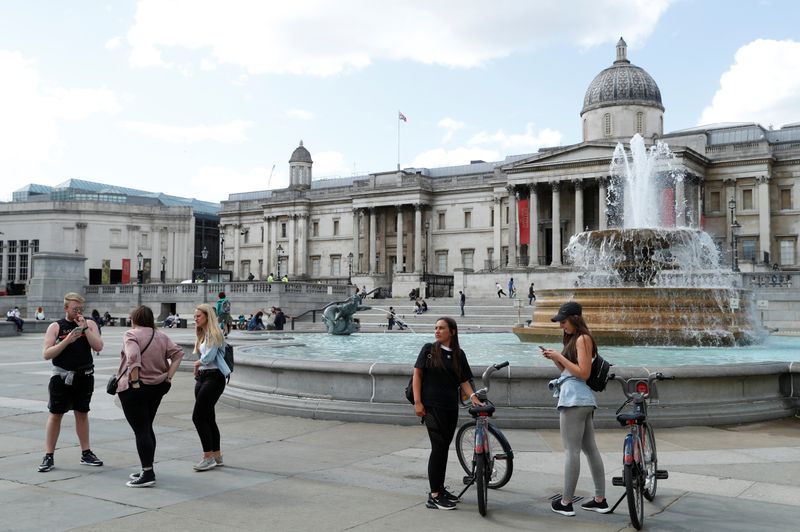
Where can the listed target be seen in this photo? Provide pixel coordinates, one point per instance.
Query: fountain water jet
(648, 282)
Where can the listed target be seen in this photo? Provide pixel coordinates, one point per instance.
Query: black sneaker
(47, 463)
(449, 496)
(559, 508)
(439, 503)
(145, 479)
(594, 506)
(89, 458)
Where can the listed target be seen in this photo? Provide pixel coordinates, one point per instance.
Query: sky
(202, 98)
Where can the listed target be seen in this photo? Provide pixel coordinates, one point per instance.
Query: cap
(570, 308)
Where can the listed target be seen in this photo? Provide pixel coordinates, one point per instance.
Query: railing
(192, 289)
(779, 279)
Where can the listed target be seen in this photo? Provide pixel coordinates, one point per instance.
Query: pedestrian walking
(68, 343)
(210, 372)
(500, 291)
(531, 295)
(148, 361)
(462, 299)
(392, 317)
(511, 289)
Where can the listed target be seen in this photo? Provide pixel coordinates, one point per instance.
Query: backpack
(226, 306)
(598, 378)
(229, 356)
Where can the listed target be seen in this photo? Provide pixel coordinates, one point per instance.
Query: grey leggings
(577, 434)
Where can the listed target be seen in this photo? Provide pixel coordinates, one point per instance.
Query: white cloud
(518, 142)
(205, 183)
(323, 38)
(455, 157)
(451, 125)
(329, 163)
(31, 111)
(762, 85)
(299, 114)
(232, 132)
(113, 43)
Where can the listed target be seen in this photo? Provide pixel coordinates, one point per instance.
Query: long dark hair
(437, 359)
(571, 340)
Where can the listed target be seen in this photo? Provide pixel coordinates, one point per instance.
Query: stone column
(373, 241)
(399, 231)
(418, 244)
(237, 238)
(274, 239)
(533, 218)
(156, 262)
(680, 202)
(291, 234)
(266, 254)
(512, 226)
(556, 224)
(764, 230)
(302, 244)
(356, 224)
(498, 222)
(602, 201)
(578, 206)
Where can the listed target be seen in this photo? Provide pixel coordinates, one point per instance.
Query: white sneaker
(205, 464)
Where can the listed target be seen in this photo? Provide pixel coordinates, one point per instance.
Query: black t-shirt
(78, 354)
(440, 385)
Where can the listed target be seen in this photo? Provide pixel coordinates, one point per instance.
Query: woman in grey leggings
(576, 404)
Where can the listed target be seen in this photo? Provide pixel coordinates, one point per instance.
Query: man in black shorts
(69, 343)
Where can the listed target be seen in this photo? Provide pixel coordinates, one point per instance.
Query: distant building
(110, 226)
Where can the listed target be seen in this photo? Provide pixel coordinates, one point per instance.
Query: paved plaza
(284, 473)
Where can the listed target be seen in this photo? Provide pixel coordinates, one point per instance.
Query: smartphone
(81, 329)
(542, 347)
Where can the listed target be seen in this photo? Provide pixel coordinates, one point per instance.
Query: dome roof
(622, 83)
(300, 155)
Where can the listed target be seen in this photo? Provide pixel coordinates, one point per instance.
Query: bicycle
(488, 467)
(640, 473)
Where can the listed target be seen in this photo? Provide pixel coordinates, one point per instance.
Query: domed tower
(300, 168)
(621, 101)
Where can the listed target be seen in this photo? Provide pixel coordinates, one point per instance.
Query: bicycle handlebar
(486, 378)
(655, 376)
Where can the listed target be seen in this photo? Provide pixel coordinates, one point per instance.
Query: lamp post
(163, 269)
(350, 268)
(734, 228)
(204, 254)
(139, 273)
(278, 260)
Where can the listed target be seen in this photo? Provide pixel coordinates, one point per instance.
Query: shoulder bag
(111, 386)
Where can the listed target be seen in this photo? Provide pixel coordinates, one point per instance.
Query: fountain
(652, 281)
(338, 316)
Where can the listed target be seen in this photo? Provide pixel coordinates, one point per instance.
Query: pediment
(589, 153)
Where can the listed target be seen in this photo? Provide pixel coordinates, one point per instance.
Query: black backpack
(598, 378)
(229, 356)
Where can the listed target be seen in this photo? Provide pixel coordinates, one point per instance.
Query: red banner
(668, 208)
(126, 271)
(524, 221)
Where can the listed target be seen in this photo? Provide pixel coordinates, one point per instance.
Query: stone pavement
(285, 473)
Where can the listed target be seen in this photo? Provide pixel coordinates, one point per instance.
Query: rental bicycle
(492, 460)
(640, 473)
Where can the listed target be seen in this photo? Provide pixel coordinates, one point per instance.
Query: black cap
(570, 308)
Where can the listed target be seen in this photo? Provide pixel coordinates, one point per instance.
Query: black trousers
(208, 388)
(140, 407)
(441, 424)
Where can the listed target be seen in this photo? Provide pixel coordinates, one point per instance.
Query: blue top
(213, 358)
(572, 391)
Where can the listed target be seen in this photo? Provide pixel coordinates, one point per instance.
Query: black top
(78, 354)
(463, 297)
(440, 385)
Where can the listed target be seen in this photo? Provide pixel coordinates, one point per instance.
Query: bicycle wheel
(649, 462)
(632, 476)
(502, 459)
(482, 481)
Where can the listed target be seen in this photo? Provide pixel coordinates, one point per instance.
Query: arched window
(607, 124)
(640, 122)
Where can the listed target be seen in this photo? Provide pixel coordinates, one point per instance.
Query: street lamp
(163, 269)
(204, 254)
(350, 268)
(278, 259)
(139, 273)
(734, 229)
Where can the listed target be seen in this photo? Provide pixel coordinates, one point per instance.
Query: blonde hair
(73, 296)
(211, 333)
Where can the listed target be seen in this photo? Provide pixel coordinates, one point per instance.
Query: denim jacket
(572, 391)
(214, 358)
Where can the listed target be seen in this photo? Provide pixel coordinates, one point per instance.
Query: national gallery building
(518, 214)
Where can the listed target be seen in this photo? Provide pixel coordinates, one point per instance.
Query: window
(467, 258)
(315, 267)
(315, 228)
(441, 262)
(34, 246)
(505, 221)
(714, 201)
(504, 256)
(440, 217)
(262, 234)
(747, 199)
(748, 248)
(23, 267)
(244, 269)
(23, 246)
(467, 219)
(116, 237)
(336, 228)
(787, 252)
(491, 217)
(640, 122)
(261, 274)
(283, 229)
(246, 237)
(12, 247)
(607, 124)
(145, 241)
(786, 199)
(336, 265)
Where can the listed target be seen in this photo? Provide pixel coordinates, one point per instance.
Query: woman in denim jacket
(210, 372)
(576, 405)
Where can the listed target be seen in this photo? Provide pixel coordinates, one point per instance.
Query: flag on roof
(401, 116)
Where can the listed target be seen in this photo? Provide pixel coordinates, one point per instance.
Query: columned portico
(578, 184)
(556, 209)
(533, 237)
(302, 244)
(236, 239)
(764, 229)
(267, 247)
(602, 203)
(418, 244)
(399, 246)
(498, 221)
(512, 226)
(356, 233)
(373, 241)
(292, 246)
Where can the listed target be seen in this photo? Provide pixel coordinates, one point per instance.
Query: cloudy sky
(203, 98)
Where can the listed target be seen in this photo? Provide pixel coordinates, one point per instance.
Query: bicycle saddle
(631, 416)
(487, 409)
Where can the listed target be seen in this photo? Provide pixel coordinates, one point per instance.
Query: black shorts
(76, 397)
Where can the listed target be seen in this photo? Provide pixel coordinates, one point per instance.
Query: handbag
(111, 385)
